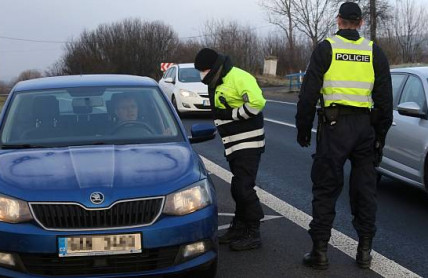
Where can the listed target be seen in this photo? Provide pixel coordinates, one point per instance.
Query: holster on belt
(331, 114)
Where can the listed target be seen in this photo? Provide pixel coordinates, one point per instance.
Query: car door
(168, 88)
(405, 143)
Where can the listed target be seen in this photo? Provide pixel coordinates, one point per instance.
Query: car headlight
(185, 93)
(192, 198)
(13, 210)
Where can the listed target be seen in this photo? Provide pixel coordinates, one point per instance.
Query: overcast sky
(63, 20)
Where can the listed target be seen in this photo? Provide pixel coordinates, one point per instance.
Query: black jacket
(313, 81)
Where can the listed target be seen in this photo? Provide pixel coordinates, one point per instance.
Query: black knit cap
(350, 10)
(205, 59)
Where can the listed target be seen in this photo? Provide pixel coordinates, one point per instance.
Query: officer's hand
(304, 137)
(378, 149)
(223, 114)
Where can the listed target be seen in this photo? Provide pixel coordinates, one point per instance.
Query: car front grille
(70, 216)
(52, 265)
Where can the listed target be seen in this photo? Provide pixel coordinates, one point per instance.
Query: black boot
(364, 259)
(249, 240)
(234, 232)
(317, 258)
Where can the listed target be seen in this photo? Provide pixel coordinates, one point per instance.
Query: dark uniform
(348, 129)
(237, 103)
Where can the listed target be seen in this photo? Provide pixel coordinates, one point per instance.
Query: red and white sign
(165, 66)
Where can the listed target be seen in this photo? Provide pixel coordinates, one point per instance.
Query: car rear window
(91, 115)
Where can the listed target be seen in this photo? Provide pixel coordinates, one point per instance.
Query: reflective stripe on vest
(246, 145)
(242, 136)
(350, 78)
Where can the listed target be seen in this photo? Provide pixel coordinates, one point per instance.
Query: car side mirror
(202, 132)
(169, 80)
(411, 109)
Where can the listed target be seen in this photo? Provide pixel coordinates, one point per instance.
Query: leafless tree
(315, 18)
(27, 75)
(276, 45)
(410, 27)
(280, 13)
(4, 88)
(239, 42)
(127, 47)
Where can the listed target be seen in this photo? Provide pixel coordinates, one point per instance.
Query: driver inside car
(126, 110)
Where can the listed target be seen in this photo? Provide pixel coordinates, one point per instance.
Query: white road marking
(381, 264)
(285, 123)
(283, 102)
(266, 218)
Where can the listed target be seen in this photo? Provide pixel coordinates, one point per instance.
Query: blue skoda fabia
(98, 179)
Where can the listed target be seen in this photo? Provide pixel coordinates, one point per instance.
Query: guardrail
(295, 79)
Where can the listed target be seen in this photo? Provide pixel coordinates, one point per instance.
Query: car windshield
(90, 115)
(188, 75)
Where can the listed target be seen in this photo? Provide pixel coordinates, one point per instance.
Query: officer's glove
(223, 114)
(378, 149)
(304, 137)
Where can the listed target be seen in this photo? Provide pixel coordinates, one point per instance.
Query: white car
(183, 87)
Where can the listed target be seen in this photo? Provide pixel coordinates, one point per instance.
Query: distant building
(270, 65)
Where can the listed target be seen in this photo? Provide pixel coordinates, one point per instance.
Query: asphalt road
(285, 173)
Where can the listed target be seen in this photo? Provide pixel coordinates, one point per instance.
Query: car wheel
(174, 103)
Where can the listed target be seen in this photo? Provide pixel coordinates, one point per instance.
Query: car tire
(174, 103)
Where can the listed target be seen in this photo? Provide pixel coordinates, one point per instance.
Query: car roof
(186, 65)
(85, 80)
(421, 71)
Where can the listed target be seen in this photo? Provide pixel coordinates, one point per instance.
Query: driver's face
(127, 110)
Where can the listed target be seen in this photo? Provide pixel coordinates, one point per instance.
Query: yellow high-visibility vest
(350, 78)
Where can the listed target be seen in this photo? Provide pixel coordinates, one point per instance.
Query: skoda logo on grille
(97, 198)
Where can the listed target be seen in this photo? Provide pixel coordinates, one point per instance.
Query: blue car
(98, 179)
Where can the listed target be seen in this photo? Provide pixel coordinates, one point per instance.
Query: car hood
(197, 87)
(119, 172)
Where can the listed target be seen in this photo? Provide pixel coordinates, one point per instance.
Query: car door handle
(394, 123)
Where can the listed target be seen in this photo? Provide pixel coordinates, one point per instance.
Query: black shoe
(364, 259)
(249, 240)
(317, 258)
(234, 232)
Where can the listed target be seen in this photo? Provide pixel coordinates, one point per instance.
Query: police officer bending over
(350, 76)
(237, 102)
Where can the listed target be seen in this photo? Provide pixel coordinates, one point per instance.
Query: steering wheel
(128, 124)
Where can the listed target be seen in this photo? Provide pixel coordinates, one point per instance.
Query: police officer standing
(237, 103)
(350, 77)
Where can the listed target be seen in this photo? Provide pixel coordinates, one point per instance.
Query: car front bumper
(35, 250)
(193, 104)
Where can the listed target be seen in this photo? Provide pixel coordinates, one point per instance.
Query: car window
(172, 73)
(413, 91)
(95, 115)
(397, 81)
(188, 75)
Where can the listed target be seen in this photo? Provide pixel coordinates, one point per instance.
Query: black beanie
(205, 59)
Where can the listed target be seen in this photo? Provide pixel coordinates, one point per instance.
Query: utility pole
(373, 20)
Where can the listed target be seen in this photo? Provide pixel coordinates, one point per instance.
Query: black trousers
(352, 137)
(244, 169)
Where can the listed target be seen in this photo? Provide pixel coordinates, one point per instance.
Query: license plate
(98, 245)
(206, 102)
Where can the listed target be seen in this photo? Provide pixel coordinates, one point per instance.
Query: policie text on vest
(352, 57)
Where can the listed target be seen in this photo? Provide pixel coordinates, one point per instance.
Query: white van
(182, 84)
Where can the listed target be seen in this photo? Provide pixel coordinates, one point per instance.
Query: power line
(30, 40)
